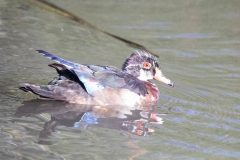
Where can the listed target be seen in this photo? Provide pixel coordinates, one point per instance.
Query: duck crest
(137, 57)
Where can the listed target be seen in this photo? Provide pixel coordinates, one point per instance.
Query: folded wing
(96, 77)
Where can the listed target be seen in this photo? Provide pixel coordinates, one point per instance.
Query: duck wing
(97, 77)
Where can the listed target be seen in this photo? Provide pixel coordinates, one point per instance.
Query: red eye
(147, 65)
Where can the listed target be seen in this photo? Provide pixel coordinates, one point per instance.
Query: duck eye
(147, 65)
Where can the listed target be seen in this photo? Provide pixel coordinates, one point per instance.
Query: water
(198, 44)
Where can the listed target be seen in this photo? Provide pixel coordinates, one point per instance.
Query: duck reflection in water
(82, 116)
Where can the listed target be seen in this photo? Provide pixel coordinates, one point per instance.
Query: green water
(198, 43)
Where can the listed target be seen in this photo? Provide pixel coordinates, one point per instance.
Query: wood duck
(110, 91)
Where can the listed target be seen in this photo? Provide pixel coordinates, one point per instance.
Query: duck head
(144, 66)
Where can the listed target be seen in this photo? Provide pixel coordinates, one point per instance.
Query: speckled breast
(151, 99)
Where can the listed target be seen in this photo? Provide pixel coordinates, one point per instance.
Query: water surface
(198, 44)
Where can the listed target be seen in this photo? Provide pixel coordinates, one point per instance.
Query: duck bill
(161, 78)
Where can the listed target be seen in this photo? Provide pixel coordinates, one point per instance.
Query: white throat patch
(144, 75)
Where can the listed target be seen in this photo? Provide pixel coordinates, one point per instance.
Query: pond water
(198, 43)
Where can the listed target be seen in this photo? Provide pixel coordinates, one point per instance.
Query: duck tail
(57, 59)
(42, 91)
